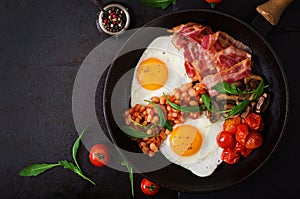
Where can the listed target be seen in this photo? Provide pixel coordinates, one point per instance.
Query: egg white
(162, 49)
(206, 160)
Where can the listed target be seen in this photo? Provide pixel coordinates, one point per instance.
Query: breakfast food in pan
(195, 99)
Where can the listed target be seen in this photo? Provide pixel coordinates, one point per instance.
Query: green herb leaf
(239, 108)
(185, 109)
(36, 169)
(158, 3)
(206, 101)
(160, 113)
(75, 148)
(69, 165)
(225, 88)
(168, 125)
(259, 90)
(131, 132)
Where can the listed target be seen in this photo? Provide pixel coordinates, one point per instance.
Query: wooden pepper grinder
(273, 9)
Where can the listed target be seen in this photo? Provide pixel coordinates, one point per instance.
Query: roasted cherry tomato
(231, 123)
(253, 140)
(254, 121)
(99, 155)
(213, 3)
(225, 140)
(241, 133)
(242, 149)
(230, 156)
(149, 188)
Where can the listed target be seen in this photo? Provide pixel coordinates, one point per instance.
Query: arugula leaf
(259, 90)
(160, 113)
(158, 3)
(206, 101)
(131, 132)
(239, 108)
(168, 125)
(119, 159)
(36, 169)
(69, 165)
(185, 109)
(75, 148)
(130, 171)
(226, 88)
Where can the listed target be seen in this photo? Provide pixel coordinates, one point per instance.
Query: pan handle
(269, 15)
(273, 9)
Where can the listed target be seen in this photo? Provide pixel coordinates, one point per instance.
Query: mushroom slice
(262, 103)
(226, 99)
(252, 81)
(213, 116)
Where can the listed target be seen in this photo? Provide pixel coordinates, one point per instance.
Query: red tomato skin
(230, 156)
(149, 188)
(225, 140)
(253, 140)
(231, 123)
(99, 151)
(241, 133)
(242, 149)
(213, 1)
(254, 121)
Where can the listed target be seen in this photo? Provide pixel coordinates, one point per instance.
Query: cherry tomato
(231, 123)
(149, 188)
(99, 155)
(230, 156)
(242, 149)
(225, 140)
(241, 133)
(254, 121)
(253, 140)
(213, 1)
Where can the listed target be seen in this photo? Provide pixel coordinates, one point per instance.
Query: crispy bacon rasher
(211, 57)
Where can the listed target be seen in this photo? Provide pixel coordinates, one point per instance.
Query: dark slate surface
(43, 44)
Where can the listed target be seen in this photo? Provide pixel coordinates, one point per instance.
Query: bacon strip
(215, 56)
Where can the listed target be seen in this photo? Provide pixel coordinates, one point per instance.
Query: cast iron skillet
(266, 63)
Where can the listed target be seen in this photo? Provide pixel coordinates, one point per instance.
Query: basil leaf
(259, 90)
(75, 148)
(36, 169)
(185, 109)
(239, 108)
(158, 3)
(131, 132)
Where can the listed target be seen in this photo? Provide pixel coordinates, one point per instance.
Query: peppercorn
(113, 19)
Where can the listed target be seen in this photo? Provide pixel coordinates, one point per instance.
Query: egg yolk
(185, 140)
(152, 73)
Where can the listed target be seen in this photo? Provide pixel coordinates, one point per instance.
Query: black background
(43, 44)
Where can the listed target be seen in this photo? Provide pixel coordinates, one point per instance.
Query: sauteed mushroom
(262, 103)
(213, 116)
(251, 82)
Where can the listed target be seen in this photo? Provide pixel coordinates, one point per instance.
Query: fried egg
(193, 145)
(159, 70)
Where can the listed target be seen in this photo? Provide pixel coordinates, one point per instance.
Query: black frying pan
(266, 63)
